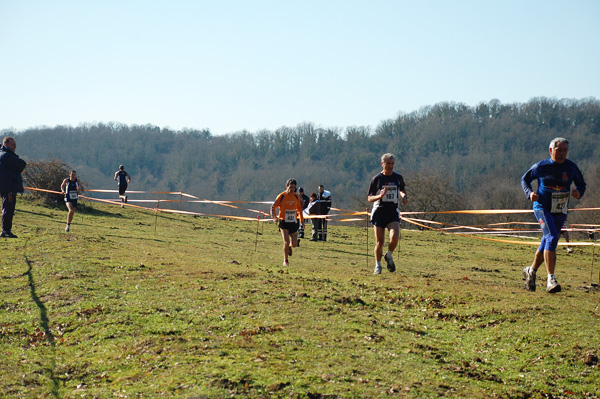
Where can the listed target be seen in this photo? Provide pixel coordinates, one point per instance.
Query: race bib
(73, 195)
(290, 216)
(391, 194)
(560, 202)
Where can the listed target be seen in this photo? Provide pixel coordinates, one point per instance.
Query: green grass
(133, 305)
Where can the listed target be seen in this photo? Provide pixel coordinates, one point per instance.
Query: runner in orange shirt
(290, 209)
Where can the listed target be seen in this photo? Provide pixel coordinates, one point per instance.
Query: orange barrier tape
(497, 240)
(232, 206)
(417, 222)
(42, 190)
(352, 220)
(474, 212)
(505, 223)
(219, 202)
(589, 225)
(97, 190)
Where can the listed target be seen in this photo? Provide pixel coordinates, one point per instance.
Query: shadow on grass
(354, 253)
(44, 322)
(37, 214)
(153, 238)
(91, 211)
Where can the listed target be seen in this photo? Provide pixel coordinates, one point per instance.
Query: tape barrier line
(474, 212)
(409, 220)
(345, 211)
(97, 190)
(113, 202)
(232, 202)
(491, 230)
(417, 222)
(479, 229)
(233, 206)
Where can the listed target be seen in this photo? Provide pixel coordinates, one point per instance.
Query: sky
(233, 65)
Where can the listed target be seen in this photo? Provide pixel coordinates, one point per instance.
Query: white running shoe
(67, 228)
(286, 263)
(377, 269)
(553, 285)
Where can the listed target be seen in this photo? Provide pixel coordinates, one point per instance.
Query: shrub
(46, 175)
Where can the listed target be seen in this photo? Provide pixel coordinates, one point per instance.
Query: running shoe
(529, 279)
(391, 266)
(553, 285)
(67, 228)
(286, 263)
(8, 235)
(377, 269)
(569, 250)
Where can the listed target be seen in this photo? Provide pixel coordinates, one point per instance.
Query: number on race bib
(290, 216)
(391, 194)
(560, 203)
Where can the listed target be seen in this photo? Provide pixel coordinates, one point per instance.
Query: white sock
(378, 263)
(531, 271)
(551, 276)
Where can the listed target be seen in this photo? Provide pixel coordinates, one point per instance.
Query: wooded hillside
(452, 155)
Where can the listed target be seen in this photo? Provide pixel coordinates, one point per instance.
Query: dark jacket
(11, 167)
(324, 202)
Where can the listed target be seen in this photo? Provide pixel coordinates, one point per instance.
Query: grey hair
(387, 156)
(554, 143)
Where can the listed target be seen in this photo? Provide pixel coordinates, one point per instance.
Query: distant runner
(123, 179)
(289, 205)
(70, 188)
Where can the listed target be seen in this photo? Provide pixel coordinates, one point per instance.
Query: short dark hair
(290, 182)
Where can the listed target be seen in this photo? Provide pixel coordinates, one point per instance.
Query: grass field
(131, 305)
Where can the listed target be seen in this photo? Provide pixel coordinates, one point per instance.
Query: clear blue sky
(257, 64)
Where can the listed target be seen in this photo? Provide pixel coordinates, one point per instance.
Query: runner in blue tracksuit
(550, 205)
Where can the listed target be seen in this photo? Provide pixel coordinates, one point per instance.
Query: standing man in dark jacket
(11, 182)
(319, 232)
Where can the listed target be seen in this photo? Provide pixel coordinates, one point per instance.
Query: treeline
(452, 155)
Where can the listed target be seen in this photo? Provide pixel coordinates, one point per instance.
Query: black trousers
(8, 210)
(319, 229)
